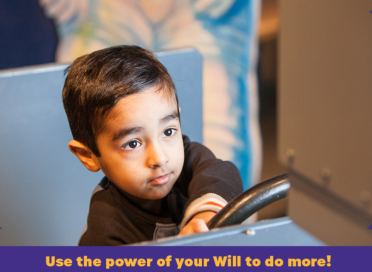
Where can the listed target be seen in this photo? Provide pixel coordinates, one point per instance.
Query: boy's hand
(198, 223)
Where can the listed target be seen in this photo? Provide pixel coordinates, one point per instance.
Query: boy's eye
(132, 145)
(168, 132)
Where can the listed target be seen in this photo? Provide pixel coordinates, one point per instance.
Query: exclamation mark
(329, 260)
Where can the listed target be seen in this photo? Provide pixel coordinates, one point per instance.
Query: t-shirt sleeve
(213, 182)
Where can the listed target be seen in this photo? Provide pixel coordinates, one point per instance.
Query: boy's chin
(158, 195)
(153, 195)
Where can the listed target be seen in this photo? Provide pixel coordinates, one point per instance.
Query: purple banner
(184, 258)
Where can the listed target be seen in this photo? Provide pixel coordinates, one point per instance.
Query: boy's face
(141, 145)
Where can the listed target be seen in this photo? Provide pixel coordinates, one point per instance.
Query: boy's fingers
(194, 226)
(200, 226)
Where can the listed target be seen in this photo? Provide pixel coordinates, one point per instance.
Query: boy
(123, 112)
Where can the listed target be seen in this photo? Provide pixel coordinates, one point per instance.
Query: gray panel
(275, 232)
(325, 109)
(329, 218)
(44, 189)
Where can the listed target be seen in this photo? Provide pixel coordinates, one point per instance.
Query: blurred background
(267, 84)
(238, 40)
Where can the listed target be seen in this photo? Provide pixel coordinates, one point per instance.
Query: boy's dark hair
(97, 81)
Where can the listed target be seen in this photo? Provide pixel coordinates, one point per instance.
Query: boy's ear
(84, 154)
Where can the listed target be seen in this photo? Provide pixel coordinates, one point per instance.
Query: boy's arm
(213, 183)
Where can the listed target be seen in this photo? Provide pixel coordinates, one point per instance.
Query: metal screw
(365, 197)
(325, 173)
(250, 232)
(289, 155)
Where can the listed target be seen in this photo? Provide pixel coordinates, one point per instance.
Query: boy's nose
(157, 156)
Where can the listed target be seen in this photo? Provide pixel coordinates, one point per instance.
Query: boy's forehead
(150, 103)
(147, 99)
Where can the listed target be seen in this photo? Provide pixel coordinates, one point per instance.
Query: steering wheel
(251, 201)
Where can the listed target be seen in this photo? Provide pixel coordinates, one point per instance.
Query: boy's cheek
(180, 153)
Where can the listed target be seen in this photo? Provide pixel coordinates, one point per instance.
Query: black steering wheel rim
(251, 201)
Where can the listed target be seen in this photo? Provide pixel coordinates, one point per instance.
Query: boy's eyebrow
(127, 131)
(124, 132)
(169, 117)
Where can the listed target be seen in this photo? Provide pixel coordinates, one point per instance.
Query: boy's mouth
(160, 180)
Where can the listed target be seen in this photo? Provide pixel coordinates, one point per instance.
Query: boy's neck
(151, 205)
